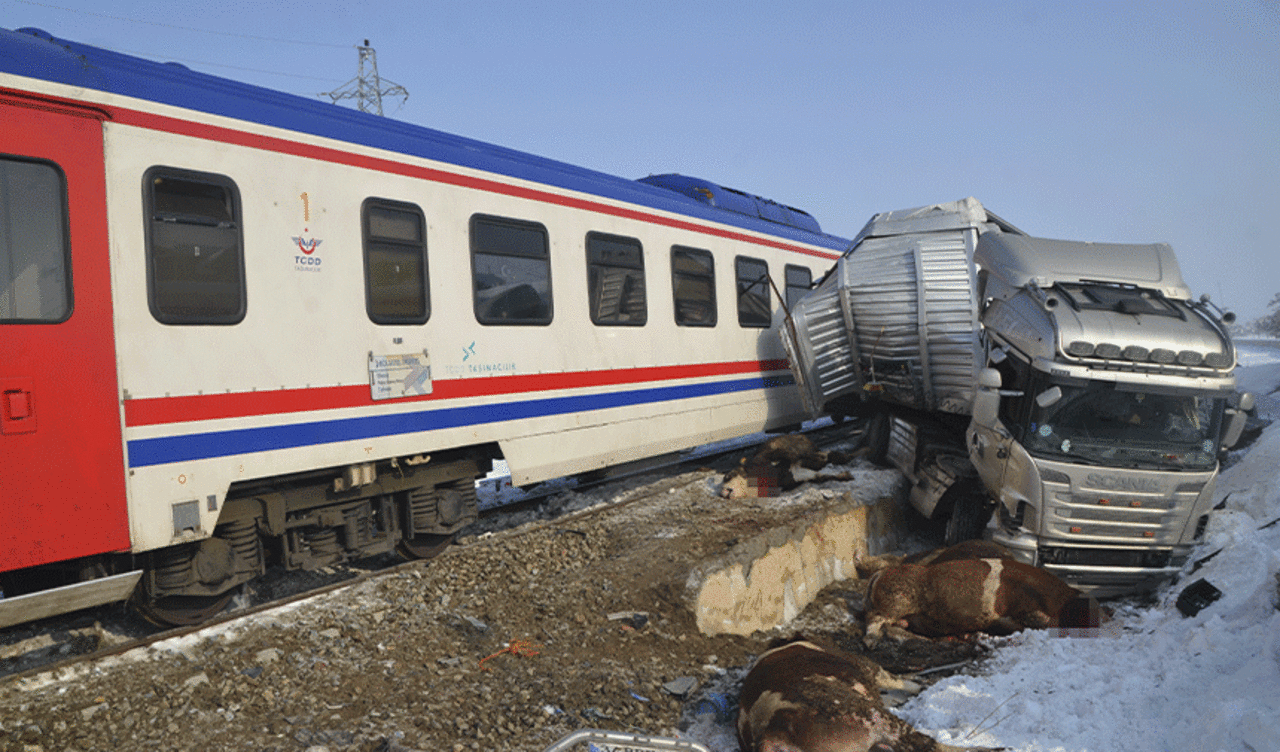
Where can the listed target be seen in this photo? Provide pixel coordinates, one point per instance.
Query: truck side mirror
(986, 401)
(1238, 416)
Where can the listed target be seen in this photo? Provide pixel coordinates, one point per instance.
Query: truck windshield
(1105, 425)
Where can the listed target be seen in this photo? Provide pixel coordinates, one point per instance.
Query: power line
(187, 61)
(126, 19)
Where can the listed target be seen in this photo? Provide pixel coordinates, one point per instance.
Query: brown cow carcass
(802, 697)
(775, 467)
(970, 549)
(958, 596)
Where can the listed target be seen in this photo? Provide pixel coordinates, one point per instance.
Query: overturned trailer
(1075, 389)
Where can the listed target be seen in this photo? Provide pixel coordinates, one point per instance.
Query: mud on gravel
(507, 641)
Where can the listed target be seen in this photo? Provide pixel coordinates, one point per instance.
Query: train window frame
(789, 286)
(683, 315)
(46, 266)
(749, 317)
(537, 257)
(402, 247)
(227, 229)
(631, 268)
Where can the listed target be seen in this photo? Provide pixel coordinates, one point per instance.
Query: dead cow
(801, 697)
(970, 549)
(997, 596)
(774, 467)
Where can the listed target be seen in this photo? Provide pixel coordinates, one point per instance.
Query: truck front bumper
(1102, 572)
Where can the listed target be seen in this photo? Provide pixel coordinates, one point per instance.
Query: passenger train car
(239, 326)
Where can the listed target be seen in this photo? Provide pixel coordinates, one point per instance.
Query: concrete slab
(767, 580)
(745, 565)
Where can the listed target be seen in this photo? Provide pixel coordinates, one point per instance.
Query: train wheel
(182, 610)
(424, 546)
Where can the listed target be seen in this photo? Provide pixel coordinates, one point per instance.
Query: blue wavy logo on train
(308, 261)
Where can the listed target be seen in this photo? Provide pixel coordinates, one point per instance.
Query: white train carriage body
(257, 307)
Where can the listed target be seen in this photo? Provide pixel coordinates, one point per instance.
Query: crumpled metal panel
(914, 309)
(819, 349)
(898, 318)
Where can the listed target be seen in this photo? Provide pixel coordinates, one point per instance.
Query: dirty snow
(1153, 680)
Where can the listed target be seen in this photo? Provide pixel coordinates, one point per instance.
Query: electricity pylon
(367, 88)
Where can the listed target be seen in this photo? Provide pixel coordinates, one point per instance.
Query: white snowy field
(1155, 681)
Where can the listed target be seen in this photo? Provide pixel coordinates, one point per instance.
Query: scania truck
(1070, 400)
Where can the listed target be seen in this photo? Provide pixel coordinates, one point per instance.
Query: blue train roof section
(735, 200)
(36, 54)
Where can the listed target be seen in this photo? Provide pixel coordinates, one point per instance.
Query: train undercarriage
(414, 506)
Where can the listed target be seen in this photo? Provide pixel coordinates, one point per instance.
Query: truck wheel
(970, 511)
(875, 437)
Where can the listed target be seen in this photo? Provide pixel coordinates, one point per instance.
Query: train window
(510, 271)
(799, 282)
(395, 263)
(755, 302)
(35, 270)
(615, 280)
(693, 280)
(195, 263)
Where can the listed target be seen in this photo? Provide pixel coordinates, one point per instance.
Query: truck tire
(970, 509)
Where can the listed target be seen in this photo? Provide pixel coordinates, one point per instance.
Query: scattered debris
(521, 648)
(680, 687)
(633, 619)
(1196, 596)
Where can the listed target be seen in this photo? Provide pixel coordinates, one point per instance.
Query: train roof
(36, 54)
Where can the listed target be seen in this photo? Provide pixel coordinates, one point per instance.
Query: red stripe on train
(197, 407)
(310, 151)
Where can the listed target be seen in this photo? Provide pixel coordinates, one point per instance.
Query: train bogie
(300, 338)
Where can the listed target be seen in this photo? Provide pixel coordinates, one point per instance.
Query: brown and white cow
(775, 467)
(997, 596)
(970, 549)
(802, 697)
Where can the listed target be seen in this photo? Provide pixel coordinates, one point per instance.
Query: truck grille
(1117, 517)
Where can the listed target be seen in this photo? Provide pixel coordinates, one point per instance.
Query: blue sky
(1106, 121)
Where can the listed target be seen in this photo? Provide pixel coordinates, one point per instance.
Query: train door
(62, 486)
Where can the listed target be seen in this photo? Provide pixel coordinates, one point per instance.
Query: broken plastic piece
(1196, 596)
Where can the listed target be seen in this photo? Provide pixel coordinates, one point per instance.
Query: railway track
(60, 643)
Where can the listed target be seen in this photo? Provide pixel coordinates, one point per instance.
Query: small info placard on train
(399, 375)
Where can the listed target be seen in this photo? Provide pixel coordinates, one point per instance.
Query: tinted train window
(799, 281)
(755, 302)
(511, 271)
(35, 272)
(195, 265)
(615, 280)
(395, 263)
(693, 279)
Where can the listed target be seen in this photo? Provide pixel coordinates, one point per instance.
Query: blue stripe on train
(200, 446)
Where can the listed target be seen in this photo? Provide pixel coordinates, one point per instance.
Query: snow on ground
(1163, 682)
(1153, 680)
